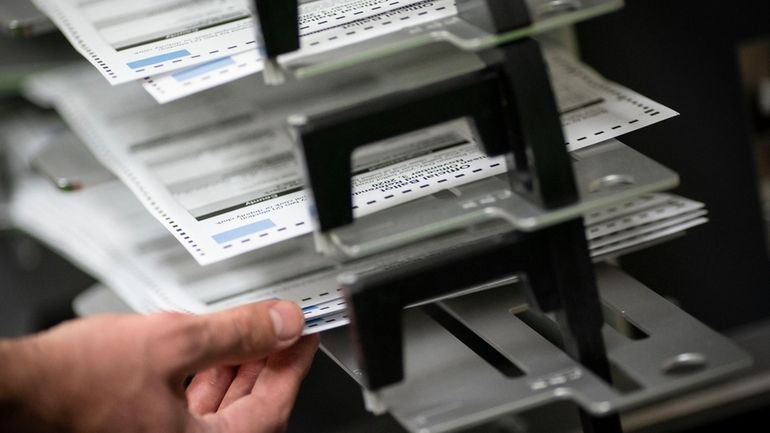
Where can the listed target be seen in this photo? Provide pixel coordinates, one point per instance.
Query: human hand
(127, 373)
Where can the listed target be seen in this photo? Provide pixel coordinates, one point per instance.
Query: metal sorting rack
(475, 360)
(654, 348)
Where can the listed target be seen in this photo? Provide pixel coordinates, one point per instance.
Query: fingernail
(287, 320)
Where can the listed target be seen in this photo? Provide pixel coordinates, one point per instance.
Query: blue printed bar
(240, 232)
(158, 59)
(205, 68)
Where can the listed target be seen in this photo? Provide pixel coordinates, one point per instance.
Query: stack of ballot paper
(207, 208)
(199, 204)
(218, 169)
(107, 232)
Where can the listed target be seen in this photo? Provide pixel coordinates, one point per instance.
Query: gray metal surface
(747, 391)
(21, 18)
(69, 165)
(605, 174)
(449, 387)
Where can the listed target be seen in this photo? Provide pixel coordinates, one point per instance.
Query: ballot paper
(324, 25)
(640, 220)
(594, 109)
(222, 178)
(130, 40)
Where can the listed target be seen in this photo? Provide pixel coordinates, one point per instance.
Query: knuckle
(179, 337)
(250, 371)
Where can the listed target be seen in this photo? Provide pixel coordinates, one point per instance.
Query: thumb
(238, 335)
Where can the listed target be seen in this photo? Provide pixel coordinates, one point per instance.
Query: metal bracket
(278, 26)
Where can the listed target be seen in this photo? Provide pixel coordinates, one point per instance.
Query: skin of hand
(127, 373)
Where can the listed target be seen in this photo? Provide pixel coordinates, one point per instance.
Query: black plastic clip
(278, 26)
(512, 108)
